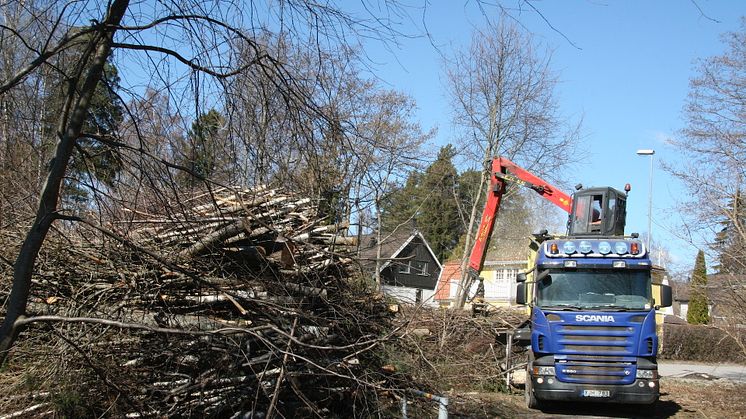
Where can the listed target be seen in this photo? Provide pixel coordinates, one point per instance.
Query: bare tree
(201, 50)
(502, 91)
(69, 130)
(293, 114)
(713, 148)
(714, 144)
(392, 148)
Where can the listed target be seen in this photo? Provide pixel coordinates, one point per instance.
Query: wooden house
(407, 266)
(499, 282)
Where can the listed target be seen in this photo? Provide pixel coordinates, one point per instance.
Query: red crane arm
(504, 170)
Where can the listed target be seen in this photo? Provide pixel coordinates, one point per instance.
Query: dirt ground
(680, 398)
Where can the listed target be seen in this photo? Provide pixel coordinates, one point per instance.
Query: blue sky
(624, 68)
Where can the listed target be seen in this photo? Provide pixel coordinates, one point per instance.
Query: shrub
(702, 343)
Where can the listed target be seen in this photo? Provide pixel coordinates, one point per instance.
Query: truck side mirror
(520, 293)
(666, 296)
(520, 277)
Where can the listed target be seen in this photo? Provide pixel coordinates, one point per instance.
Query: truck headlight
(649, 374)
(543, 370)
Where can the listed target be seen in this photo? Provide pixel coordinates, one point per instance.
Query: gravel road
(684, 369)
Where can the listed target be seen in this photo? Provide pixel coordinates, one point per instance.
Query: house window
(418, 267)
(413, 267)
(422, 268)
(404, 268)
(502, 287)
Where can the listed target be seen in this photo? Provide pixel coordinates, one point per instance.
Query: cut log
(216, 237)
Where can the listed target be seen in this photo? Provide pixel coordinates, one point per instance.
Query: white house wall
(683, 310)
(409, 295)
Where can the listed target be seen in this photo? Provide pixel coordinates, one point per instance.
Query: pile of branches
(245, 303)
(451, 349)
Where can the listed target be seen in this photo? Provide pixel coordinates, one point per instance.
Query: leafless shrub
(450, 349)
(702, 343)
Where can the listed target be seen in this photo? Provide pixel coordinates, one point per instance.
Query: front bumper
(638, 392)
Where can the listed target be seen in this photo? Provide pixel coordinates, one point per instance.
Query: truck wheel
(531, 401)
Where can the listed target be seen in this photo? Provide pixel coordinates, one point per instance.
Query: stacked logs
(241, 219)
(245, 303)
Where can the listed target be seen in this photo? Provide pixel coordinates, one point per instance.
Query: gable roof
(719, 288)
(391, 245)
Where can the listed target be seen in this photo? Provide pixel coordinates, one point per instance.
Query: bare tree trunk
(379, 286)
(69, 131)
(466, 280)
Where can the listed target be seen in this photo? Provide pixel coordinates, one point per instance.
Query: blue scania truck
(591, 333)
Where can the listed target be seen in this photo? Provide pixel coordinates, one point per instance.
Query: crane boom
(504, 170)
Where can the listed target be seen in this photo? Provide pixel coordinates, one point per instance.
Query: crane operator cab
(598, 212)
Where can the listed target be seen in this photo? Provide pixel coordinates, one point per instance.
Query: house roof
(680, 290)
(391, 245)
(719, 286)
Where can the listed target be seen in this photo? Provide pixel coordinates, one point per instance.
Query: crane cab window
(582, 215)
(598, 211)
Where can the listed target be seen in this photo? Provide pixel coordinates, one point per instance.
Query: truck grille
(594, 354)
(593, 348)
(541, 343)
(595, 371)
(596, 339)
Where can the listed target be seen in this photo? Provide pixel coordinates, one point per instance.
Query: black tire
(531, 401)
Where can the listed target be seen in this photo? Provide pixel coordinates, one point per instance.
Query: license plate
(596, 393)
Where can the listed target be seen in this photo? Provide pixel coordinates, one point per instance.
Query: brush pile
(451, 349)
(242, 303)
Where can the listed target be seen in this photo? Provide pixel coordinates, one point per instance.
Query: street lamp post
(648, 152)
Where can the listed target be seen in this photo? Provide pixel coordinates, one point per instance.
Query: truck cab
(592, 312)
(592, 322)
(591, 334)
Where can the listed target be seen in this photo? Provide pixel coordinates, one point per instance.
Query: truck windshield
(595, 289)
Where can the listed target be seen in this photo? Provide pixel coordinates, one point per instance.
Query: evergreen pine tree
(698, 312)
(730, 243)
(439, 219)
(402, 206)
(204, 151)
(427, 201)
(94, 159)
